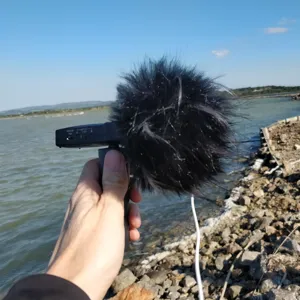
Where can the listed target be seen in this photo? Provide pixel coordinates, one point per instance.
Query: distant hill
(266, 90)
(57, 107)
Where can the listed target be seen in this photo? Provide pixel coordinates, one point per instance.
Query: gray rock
(187, 260)
(245, 200)
(258, 193)
(248, 257)
(219, 262)
(212, 246)
(145, 278)
(189, 281)
(123, 280)
(158, 276)
(174, 288)
(174, 296)
(167, 283)
(195, 289)
(267, 285)
(234, 291)
(184, 289)
(266, 221)
(173, 260)
(278, 294)
(226, 233)
(233, 248)
(270, 230)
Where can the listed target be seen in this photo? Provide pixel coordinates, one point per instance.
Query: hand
(90, 249)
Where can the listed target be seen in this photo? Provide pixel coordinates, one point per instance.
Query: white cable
(197, 254)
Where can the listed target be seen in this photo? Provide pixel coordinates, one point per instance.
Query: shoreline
(250, 251)
(55, 113)
(70, 112)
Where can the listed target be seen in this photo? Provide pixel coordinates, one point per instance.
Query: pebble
(267, 285)
(123, 280)
(248, 257)
(276, 294)
(158, 276)
(189, 281)
(245, 200)
(259, 193)
(234, 291)
(226, 233)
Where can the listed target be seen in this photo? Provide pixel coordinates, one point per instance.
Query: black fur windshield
(175, 126)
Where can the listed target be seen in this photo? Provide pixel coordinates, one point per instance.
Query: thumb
(115, 178)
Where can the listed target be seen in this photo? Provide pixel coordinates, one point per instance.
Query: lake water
(38, 178)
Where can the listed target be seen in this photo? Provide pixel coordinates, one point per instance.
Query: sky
(67, 51)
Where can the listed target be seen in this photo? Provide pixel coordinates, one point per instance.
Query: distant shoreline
(53, 113)
(278, 95)
(71, 111)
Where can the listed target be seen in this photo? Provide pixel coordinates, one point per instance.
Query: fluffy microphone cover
(174, 124)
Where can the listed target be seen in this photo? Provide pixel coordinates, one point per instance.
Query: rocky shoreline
(252, 251)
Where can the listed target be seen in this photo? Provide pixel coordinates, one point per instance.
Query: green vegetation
(55, 112)
(267, 91)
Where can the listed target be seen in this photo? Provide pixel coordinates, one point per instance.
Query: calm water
(37, 180)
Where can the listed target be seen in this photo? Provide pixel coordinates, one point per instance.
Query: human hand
(90, 249)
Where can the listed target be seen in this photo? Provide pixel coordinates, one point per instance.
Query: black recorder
(91, 135)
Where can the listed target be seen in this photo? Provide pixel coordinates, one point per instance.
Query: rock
(234, 291)
(126, 261)
(195, 289)
(233, 248)
(245, 200)
(258, 164)
(173, 260)
(189, 281)
(212, 246)
(264, 169)
(184, 289)
(279, 294)
(266, 221)
(134, 291)
(258, 193)
(226, 233)
(187, 260)
(257, 213)
(267, 285)
(284, 137)
(173, 293)
(248, 257)
(145, 278)
(167, 283)
(219, 262)
(297, 147)
(158, 276)
(270, 230)
(123, 280)
(174, 296)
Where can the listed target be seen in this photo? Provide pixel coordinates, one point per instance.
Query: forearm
(44, 286)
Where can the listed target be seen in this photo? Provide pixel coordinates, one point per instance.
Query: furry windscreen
(174, 124)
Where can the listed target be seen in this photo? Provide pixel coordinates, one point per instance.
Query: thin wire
(197, 254)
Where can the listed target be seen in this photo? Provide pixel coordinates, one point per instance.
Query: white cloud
(220, 53)
(284, 21)
(276, 30)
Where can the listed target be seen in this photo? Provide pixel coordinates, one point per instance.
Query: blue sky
(63, 51)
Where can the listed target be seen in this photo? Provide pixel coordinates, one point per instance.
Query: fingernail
(114, 161)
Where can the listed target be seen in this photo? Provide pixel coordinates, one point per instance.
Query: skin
(90, 249)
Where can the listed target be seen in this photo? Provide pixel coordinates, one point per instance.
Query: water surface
(38, 178)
